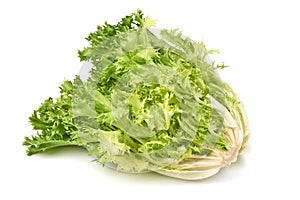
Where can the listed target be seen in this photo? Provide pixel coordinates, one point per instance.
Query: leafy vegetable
(153, 101)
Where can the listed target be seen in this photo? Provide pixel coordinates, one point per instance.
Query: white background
(258, 39)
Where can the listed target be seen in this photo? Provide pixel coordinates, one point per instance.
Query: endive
(152, 101)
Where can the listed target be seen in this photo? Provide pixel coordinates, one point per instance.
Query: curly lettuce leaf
(54, 122)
